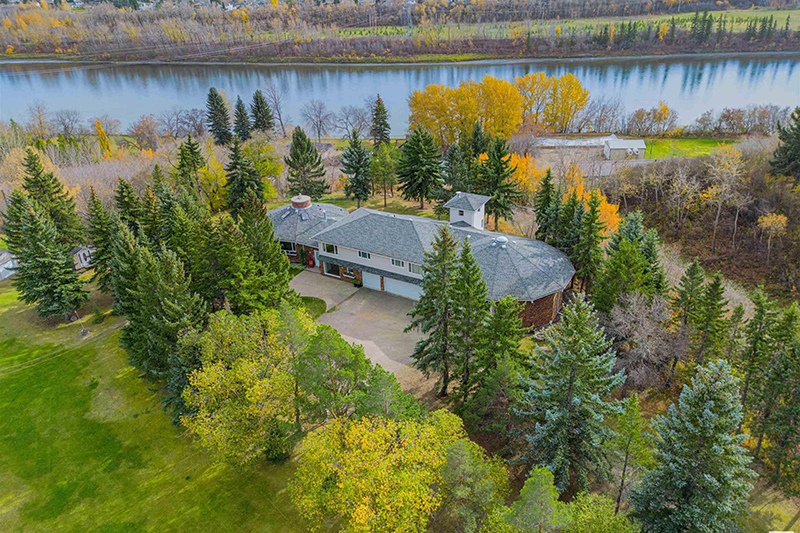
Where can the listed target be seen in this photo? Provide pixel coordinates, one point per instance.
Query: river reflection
(690, 84)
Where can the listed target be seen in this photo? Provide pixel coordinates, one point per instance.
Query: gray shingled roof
(289, 225)
(465, 200)
(524, 268)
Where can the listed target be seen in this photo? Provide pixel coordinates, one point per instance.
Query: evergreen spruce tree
(219, 120)
(657, 276)
(306, 173)
(379, 128)
(457, 176)
(541, 205)
(241, 121)
(433, 312)
(150, 219)
(261, 113)
(569, 224)
(259, 237)
(631, 228)
(786, 158)
(243, 180)
(776, 387)
(479, 140)
(500, 338)
(44, 275)
(625, 271)
(190, 161)
(356, 167)
(470, 312)
(688, 293)
(126, 251)
(495, 180)
(552, 219)
(419, 170)
(382, 169)
(709, 320)
(588, 253)
(103, 227)
(129, 206)
(752, 361)
(699, 481)
(49, 194)
(17, 206)
(568, 398)
(165, 309)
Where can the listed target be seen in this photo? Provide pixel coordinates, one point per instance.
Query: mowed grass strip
(85, 446)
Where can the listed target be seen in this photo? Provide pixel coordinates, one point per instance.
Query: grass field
(658, 148)
(84, 445)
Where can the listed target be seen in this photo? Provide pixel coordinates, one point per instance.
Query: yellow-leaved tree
(527, 175)
(535, 91)
(568, 97)
(499, 107)
(381, 475)
(775, 225)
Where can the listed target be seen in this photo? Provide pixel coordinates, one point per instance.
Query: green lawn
(85, 446)
(315, 306)
(658, 148)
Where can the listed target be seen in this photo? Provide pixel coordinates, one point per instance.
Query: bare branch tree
(275, 99)
(110, 125)
(173, 122)
(68, 122)
(39, 124)
(144, 133)
(318, 118)
(196, 122)
(352, 119)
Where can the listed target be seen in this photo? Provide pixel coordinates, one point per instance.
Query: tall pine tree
(45, 275)
(588, 253)
(541, 205)
(568, 398)
(243, 180)
(625, 271)
(699, 481)
(241, 121)
(786, 158)
(709, 320)
(218, 118)
(470, 312)
(656, 275)
(379, 128)
(49, 194)
(129, 205)
(261, 113)
(433, 312)
(631, 228)
(306, 173)
(419, 170)
(190, 161)
(495, 180)
(356, 166)
(103, 227)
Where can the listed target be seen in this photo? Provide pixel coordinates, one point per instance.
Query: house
(386, 251)
(82, 256)
(7, 264)
(624, 149)
(295, 225)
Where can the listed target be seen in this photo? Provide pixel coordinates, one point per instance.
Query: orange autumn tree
(527, 175)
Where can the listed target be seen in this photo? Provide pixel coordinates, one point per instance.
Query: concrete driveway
(334, 291)
(374, 319)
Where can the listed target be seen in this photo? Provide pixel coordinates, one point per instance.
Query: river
(690, 84)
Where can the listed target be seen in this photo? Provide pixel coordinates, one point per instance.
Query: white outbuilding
(624, 149)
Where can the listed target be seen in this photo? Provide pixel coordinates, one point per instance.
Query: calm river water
(690, 84)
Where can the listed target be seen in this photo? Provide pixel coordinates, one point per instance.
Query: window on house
(461, 212)
(348, 272)
(415, 268)
(398, 263)
(364, 255)
(332, 270)
(288, 247)
(330, 249)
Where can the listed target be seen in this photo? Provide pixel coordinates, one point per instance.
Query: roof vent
(324, 215)
(300, 201)
(303, 215)
(502, 240)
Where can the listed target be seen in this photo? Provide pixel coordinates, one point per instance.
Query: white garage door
(401, 288)
(371, 281)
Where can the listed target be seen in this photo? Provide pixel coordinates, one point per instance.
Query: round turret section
(300, 201)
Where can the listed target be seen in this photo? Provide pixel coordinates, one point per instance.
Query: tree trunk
(624, 470)
(745, 390)
(421, 204)
(764, 417)
(496, 223)
(735, 227)
(672, 372)
(716, 223)
(445, 380)
(384, 195)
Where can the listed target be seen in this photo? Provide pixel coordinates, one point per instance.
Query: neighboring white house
(7, 264)
(624, 149)
(82, 256)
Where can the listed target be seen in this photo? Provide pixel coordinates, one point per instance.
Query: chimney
(300, 201)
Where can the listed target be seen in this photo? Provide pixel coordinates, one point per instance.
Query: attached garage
(401, 288)
(371, 281)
